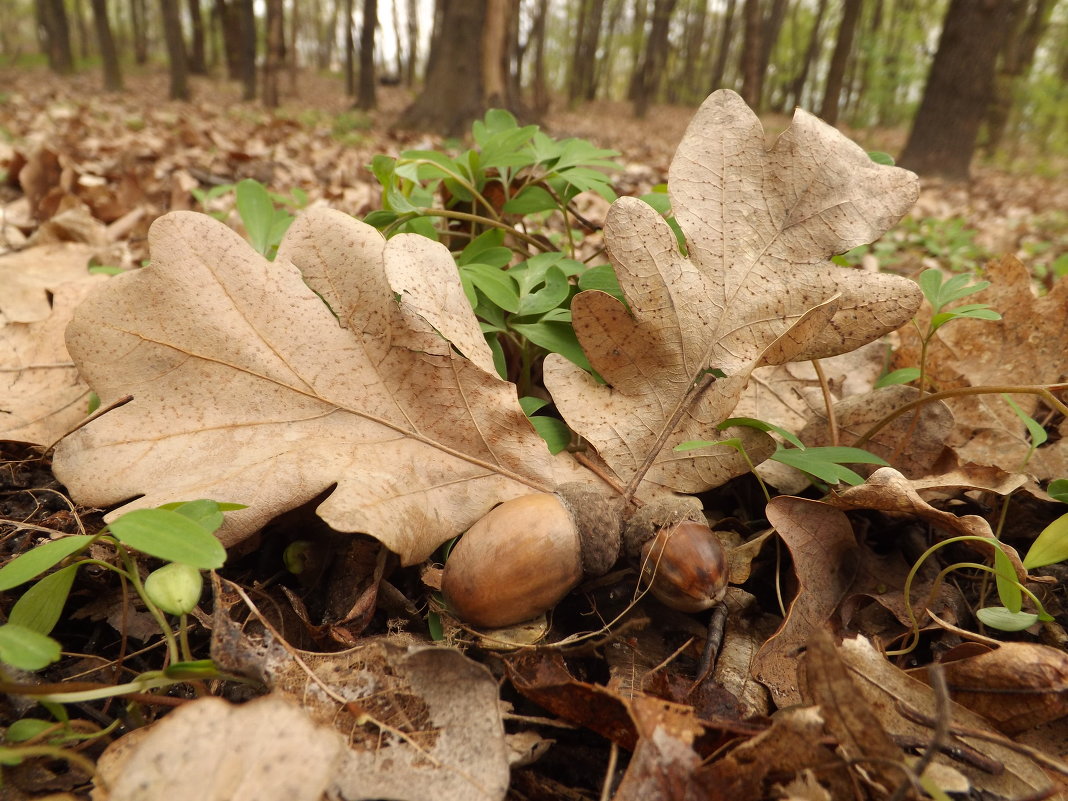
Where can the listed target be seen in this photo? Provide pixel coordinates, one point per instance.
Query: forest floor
(85, 173)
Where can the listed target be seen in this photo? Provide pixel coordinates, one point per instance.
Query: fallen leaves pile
(345, 395)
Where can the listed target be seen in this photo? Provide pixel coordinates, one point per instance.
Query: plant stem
(828, 402)
(475, 218)
(1043, 391)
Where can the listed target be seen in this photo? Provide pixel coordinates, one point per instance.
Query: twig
(828, 401)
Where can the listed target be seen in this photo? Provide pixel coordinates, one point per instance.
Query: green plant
(506, 209)
(948, 241)
(180, 533)
(349, 127)
(940, 292)
(207, 197)
(266, 215)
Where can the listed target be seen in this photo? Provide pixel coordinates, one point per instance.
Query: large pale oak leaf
(247, 387)
(755, 289)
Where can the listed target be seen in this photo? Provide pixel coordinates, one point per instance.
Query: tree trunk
(413, 42)
(246, 16)
(398, 39)
(843, 46)
(198, 63)
(751, 50)
(108, 54)
(637, 38)
(226, 17)
(139, 29)
(85, 44)
(960, 89)
(1030, 18)
(720, 68)
(366, 96)
(769, 35)
(582, 79)
(350, 50)
(797, 86)
(458, 89)
(656, 52)
(55, 29)
(688, 82)
(172, 33)
(275, 55)
(537, 39)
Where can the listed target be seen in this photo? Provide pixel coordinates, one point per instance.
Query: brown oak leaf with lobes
(247, 388)
(755, 289)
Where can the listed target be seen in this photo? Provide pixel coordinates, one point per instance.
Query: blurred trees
(857, 62)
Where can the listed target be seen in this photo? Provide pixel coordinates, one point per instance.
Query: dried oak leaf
(42, 397)
(249, 388)
(755, 289)
(1026, 346)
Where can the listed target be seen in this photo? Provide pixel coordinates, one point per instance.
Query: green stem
(161, 620)
(1043, 391)
(475, 218)
(462, 181)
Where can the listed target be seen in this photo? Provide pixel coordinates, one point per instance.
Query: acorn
(685, 567)
(526, 554)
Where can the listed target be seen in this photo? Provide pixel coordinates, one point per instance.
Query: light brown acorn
(526, 554)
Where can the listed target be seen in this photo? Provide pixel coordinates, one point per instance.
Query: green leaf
(1050, 546)
(26, 729)
(879, 157)
(529, 405)
(41, 605)
(1058, 489)
(998, 617)
(760, 425)
(660, 202)
(826, 463)
(530, 200)
(205, 513)
(486, 249)
(1036, 432)
(696, 444)
(553, 294)
(1008, 589)
(601, 278)
(26, 649)
(497, 285)
(168, 535)
(257, 213)
(381, 218)
(902, 376)
(554, 431)
(34, 563)
(105, 269)
(555, 337)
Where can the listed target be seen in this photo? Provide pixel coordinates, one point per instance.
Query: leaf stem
(476, 218)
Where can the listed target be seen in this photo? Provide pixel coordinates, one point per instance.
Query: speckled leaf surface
(248, 388)
(756, 288)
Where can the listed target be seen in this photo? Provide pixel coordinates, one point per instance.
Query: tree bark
(460, 80)
(246, 16)
(769, 36)
(582, 75)
(365, 98)
(797, 86)
(720, 68)
(106, 42)
(751, 50)
(1030, 18)
(413, 43)
(139, 29)
(198, 63)
(656, 52)
(637, 48)
(172, 33)
(960, 89)
(55, 27)
(350, 50)
(275, 55)
(843, 46)
(537, 40)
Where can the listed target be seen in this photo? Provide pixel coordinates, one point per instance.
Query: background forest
(998, 77)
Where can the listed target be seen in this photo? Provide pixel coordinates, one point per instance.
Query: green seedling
(177, 532)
